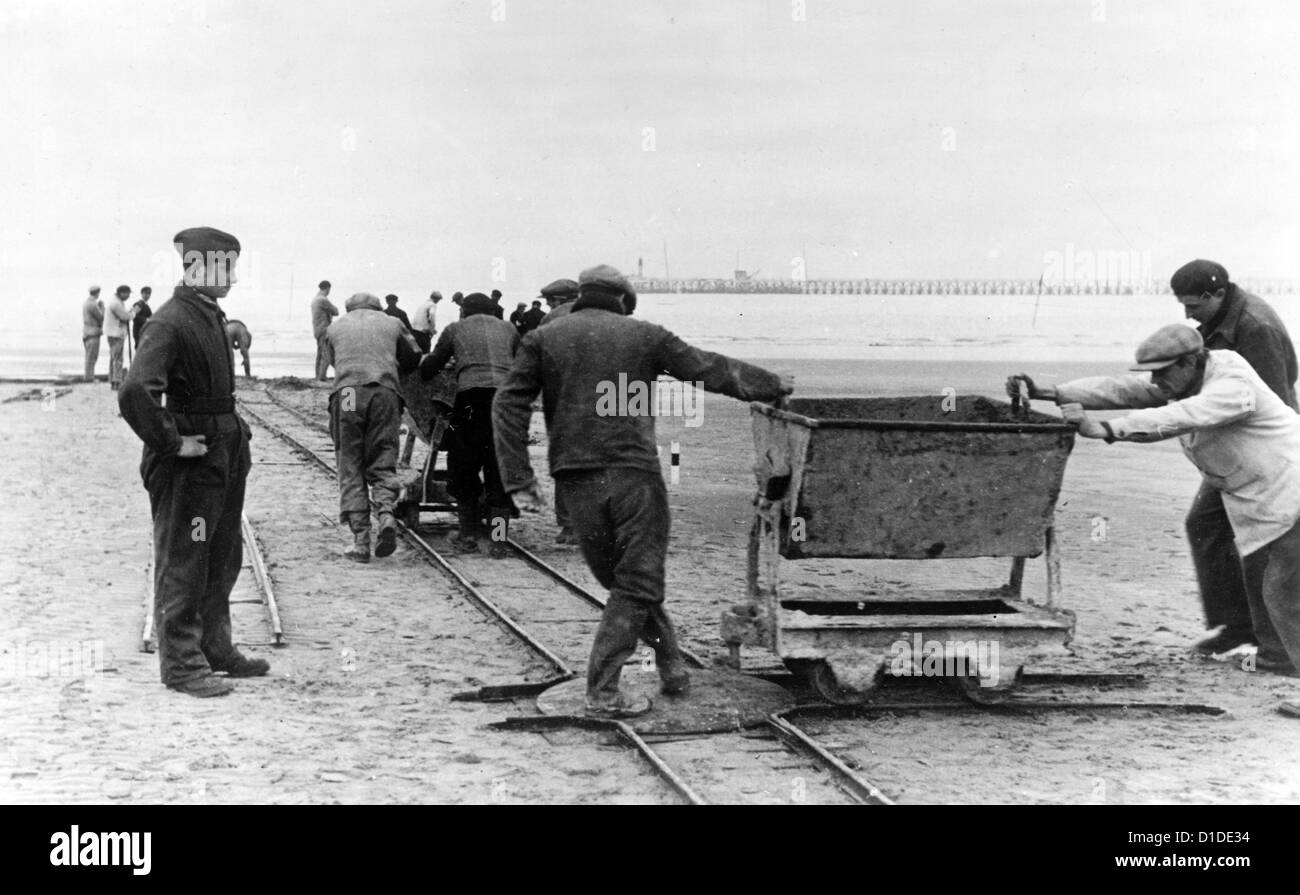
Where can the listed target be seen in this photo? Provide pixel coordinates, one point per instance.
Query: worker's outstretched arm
(717, 372)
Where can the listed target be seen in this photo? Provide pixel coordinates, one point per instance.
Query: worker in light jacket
(1243, 438)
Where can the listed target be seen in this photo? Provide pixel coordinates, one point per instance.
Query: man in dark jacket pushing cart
(607, 471)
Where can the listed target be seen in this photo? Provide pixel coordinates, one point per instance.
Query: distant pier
(650, 285)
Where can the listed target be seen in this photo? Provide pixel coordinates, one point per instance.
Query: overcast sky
(405, 146)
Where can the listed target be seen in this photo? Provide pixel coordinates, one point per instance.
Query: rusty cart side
(916, 478)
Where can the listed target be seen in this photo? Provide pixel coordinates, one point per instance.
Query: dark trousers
(1272, 575)
(1218, 565)
(472, 451)
(322, 368)
(91, 344)
(197, 544)
(621, 519)
(423, 339)
(365, 421)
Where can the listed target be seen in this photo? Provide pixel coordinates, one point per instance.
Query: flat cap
(204, 240)
(1199, 277)
(605, 277)
(363, 300)
(1166, 345)
(560, 289)
(477, 303)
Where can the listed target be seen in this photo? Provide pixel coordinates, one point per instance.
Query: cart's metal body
(917, 478)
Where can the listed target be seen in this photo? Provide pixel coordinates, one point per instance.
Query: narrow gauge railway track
(265, 590)
(778, 762)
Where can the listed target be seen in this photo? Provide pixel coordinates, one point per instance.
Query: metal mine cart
(917, 478)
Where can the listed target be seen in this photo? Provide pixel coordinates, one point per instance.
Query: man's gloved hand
(1076, 416)
(1041, 393)
(529, 499)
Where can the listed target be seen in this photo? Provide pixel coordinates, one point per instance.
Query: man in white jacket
(117, 322)
(1245, 441)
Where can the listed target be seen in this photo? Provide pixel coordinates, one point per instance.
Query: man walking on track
(606, 469)
(194, 466)
(368, 349)
(484, 348)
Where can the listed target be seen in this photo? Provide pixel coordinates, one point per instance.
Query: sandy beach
(358, 707)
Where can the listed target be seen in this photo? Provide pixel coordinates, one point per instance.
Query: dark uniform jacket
(577, 360)
(184, 353)
(1247, 325)
(141, 312)
(393, 311)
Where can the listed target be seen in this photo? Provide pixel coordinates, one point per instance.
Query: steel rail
(543, 723)
(564, 673)
(263, 579)
(791, 734)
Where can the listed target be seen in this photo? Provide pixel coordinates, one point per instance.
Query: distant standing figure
(116, 321)
(240, 340)
(323, 312)
(532, 318)
(140, 314)
(92, 327)
(394, 311)
(496, 304)
(424, 323)
(517, 315)
(369, 351)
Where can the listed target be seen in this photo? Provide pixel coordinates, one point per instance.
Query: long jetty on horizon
(934, 286)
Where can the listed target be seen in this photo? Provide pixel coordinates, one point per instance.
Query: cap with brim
(562, 288)
(363, 300)
(1166, 346)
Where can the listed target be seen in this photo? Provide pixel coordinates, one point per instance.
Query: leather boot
(464, 540)
(387, 541)
(360, 549)
(499, 532)
(616, 640)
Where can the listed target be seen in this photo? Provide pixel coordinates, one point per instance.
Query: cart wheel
(828, 688)
(969, 688)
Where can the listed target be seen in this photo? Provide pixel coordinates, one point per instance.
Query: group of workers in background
(1226, 389)
(111, 319)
